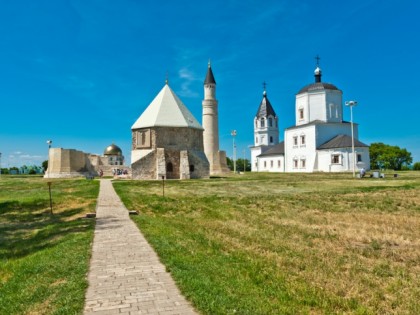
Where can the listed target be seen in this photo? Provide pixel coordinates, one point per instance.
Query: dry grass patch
(287, 243)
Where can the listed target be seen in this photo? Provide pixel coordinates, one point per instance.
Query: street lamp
(233, 134)
(48, 167)
(0, 164)
(351, 104)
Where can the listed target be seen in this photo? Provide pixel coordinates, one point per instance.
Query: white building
(320, 141)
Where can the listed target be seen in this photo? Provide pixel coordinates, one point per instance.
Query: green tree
(229, 163)
(45, 165)
(416, 166)
(388, 157)
(240, 165)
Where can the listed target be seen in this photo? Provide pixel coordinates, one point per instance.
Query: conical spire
(265, 109)
(209, 76)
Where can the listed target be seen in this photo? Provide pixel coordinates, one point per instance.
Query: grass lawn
(44, 258)
(287, 244)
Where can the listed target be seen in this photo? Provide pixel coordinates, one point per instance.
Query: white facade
(320, 141)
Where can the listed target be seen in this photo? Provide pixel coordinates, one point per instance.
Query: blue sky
(80, 72)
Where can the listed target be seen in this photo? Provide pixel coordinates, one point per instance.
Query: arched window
(270, 122)
(262, 122)
(169, 167)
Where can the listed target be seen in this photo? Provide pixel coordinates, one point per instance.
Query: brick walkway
(126, 276)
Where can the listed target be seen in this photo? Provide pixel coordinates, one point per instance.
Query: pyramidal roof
(265, 109)
(166, 110)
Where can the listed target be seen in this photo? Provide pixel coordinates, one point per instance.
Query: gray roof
(318, 122)
(209, 76)
(318, 86)
(277, 149)
(341, 141)
(166, 110)
(265, 109)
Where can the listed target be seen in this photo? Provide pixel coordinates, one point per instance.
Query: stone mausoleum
(63, 163)
(167, 141)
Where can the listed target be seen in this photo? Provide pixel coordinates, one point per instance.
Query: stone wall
(68, 163)
(177, 153)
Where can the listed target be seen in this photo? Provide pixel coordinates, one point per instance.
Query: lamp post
(48, 167)
(233, 134)
(0, 164)
(351, 104)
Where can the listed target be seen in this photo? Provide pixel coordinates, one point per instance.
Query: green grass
(44, 257)
(287, 243)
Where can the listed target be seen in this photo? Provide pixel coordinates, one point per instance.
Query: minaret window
(270, 122)
(262, 123)
(271, 139)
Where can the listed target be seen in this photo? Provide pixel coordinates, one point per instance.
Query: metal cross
(317, 60)
(264, 85)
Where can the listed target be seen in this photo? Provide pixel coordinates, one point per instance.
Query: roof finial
(167, 78)
(317, 60)
(265, 88)
(209, 63)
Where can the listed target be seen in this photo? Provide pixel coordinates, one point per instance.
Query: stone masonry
(126, 276)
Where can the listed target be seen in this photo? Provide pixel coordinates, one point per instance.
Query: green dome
(113, 150)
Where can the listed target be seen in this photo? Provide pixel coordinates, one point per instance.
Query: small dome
(317, 70)
(113, 150)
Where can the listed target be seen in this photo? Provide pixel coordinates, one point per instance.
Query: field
(44, 257)
(287, 244)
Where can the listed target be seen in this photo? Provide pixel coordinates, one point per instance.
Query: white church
(320, 140)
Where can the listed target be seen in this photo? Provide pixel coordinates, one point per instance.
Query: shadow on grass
(25, 227)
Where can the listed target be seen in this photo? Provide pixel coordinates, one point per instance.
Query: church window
(191, 168)
(271, 139)
(256, 139)
(271, 163)
(301, 113)
(265, 164)
(303, 163)
(262, 139)
(302, 140)
(335, 159)
(295, 140)
(295, 163)
(169, 167)
(262, 122)
(278, 164)
(270, 122)
(359, 158)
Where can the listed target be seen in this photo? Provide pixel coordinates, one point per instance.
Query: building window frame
(336, 159)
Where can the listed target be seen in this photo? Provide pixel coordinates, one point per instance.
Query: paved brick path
(126, 276)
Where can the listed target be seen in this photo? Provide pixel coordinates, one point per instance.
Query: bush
(416, 166)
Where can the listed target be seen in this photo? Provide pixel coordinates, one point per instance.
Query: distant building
(63, 163)
(167, 141)
(320, 141)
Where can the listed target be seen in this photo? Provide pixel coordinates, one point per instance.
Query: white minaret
(217, 159)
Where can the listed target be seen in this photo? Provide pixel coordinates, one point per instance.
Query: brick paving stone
(125, 275)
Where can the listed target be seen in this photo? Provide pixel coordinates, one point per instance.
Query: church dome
(113, 150)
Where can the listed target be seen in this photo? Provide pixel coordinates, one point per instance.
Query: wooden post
(163, 186)
(49, 189)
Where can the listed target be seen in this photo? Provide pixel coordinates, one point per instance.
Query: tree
(45, 165)
(416, 166)
(388, 157)
(240, 165)
(229, 163)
